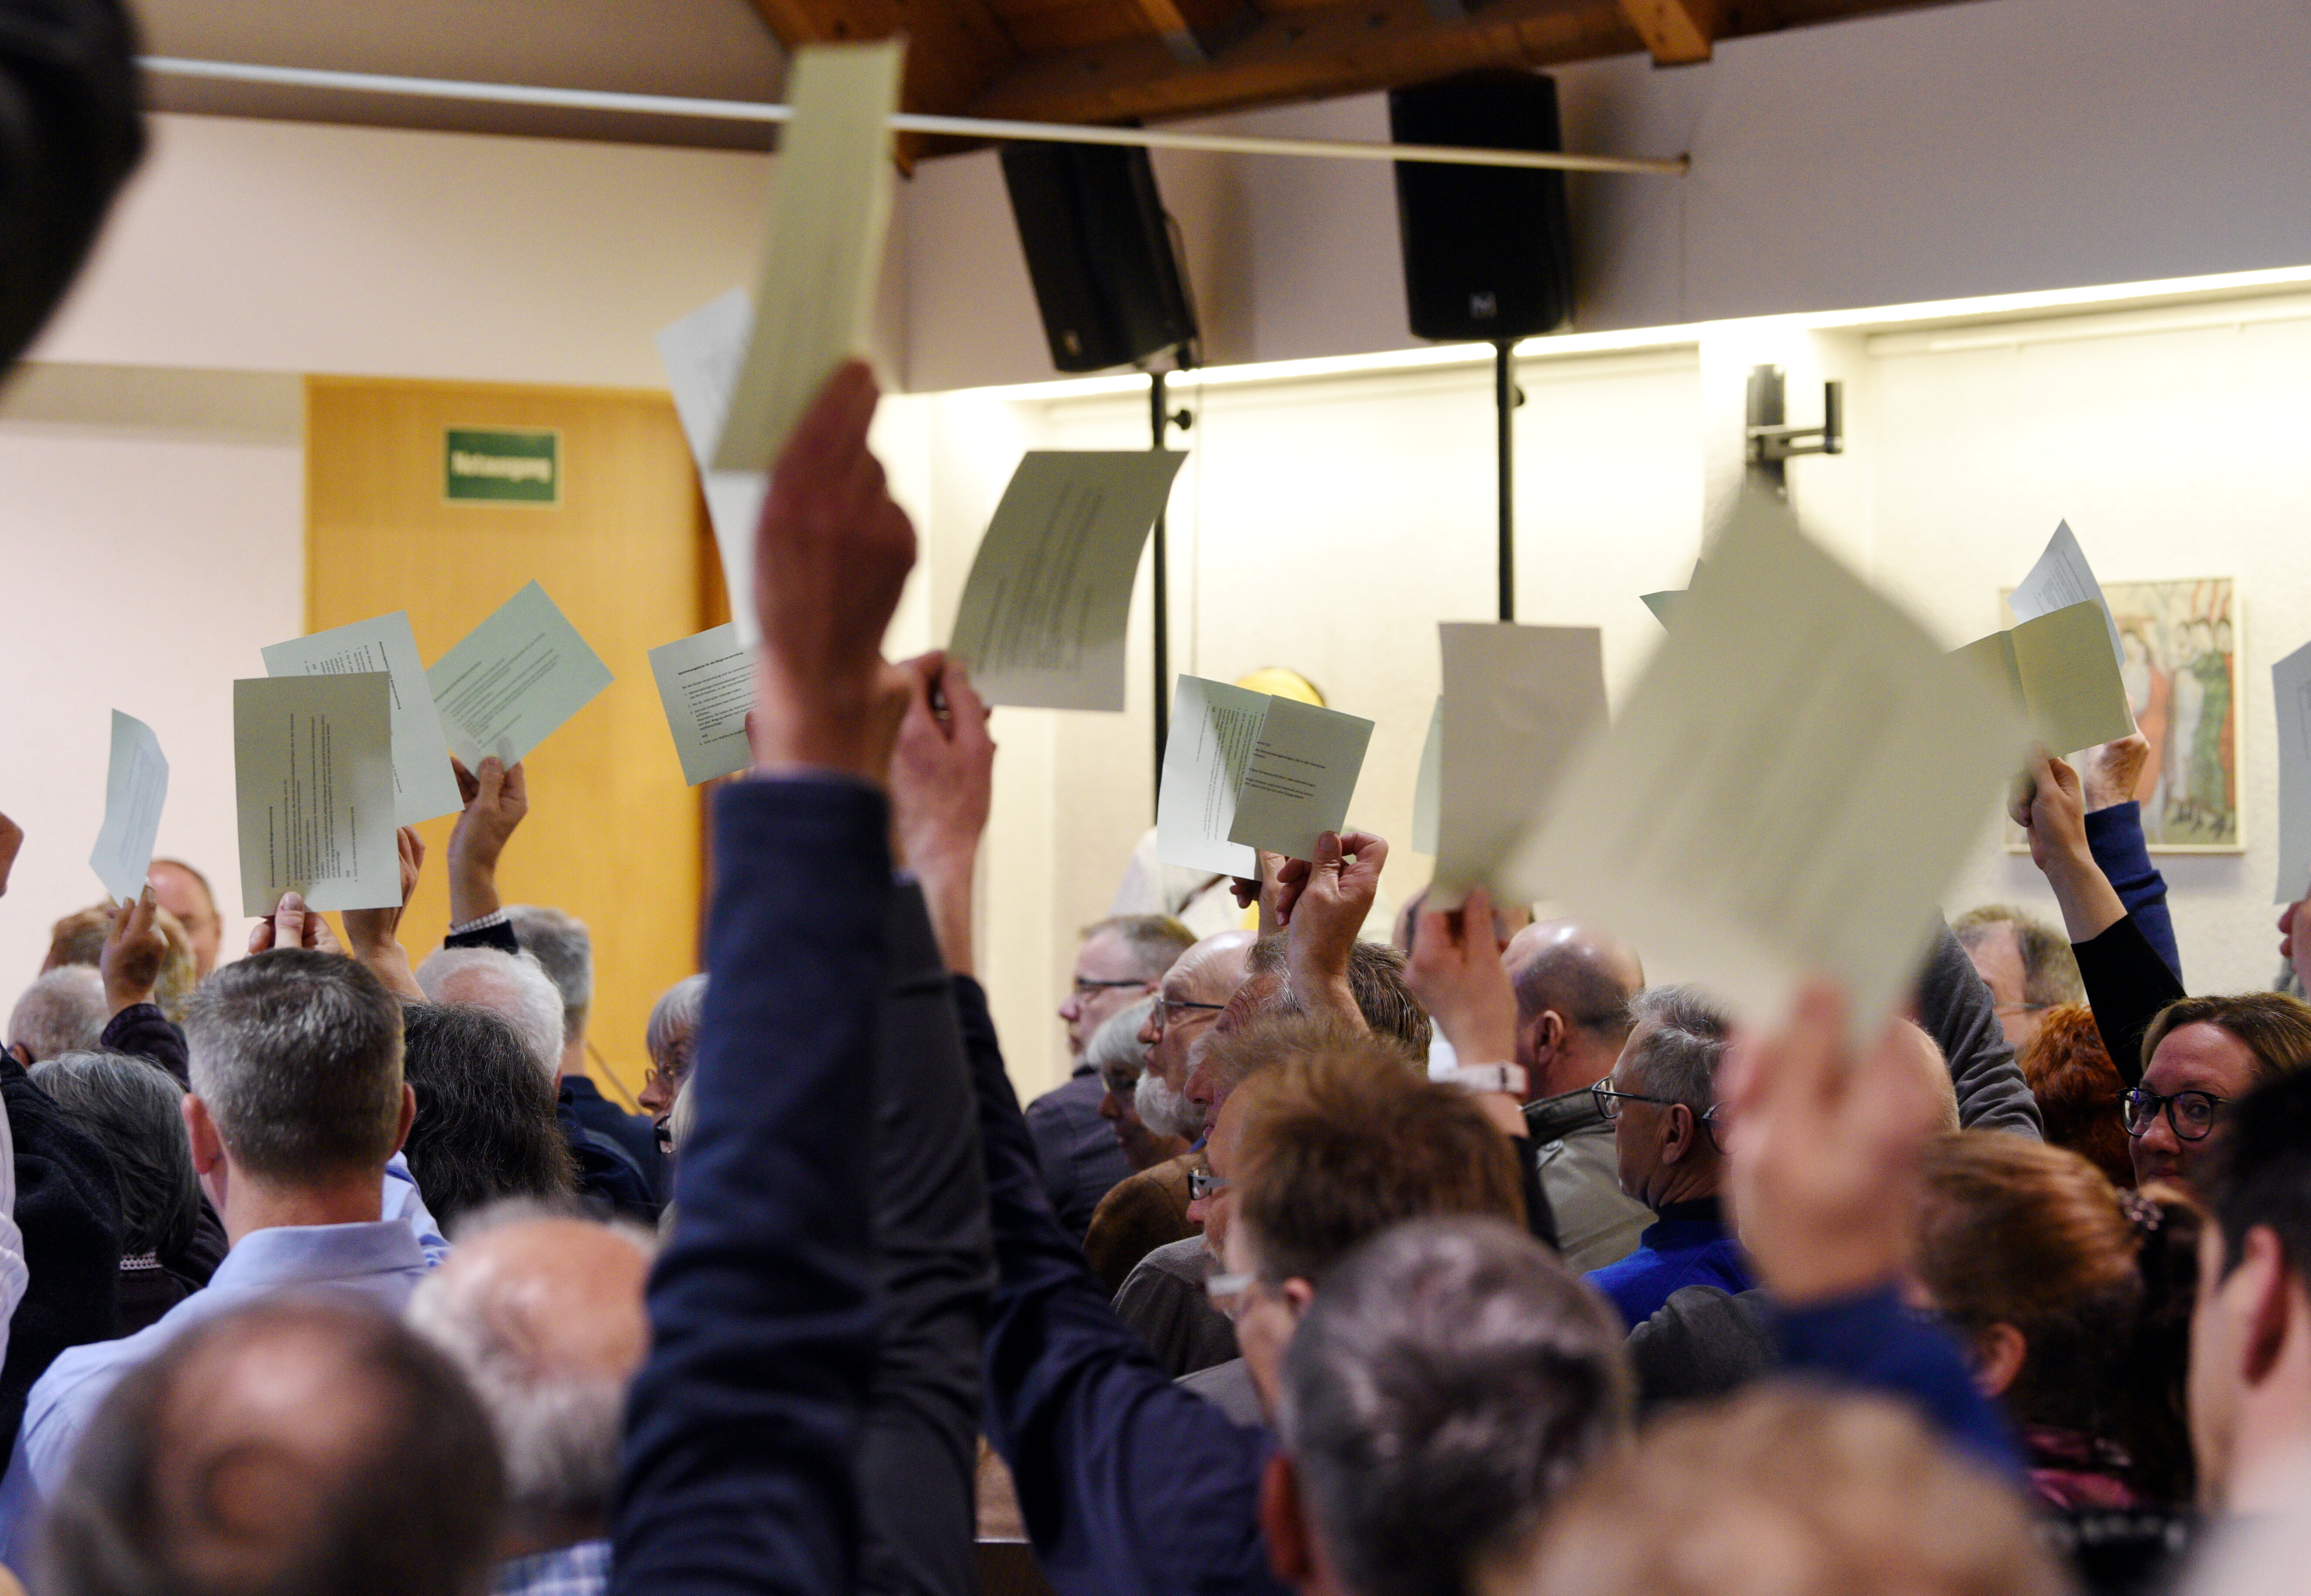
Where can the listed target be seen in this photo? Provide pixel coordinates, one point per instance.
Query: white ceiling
(707, 49)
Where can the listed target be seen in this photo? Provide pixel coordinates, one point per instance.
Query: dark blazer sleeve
(499, 936)
(142, 1029)
(2127, 984)
(2114, 837)
(739, 1469)
(1957, 1011)
(1871, 1343)
(1128, 1484)
(68, 1206)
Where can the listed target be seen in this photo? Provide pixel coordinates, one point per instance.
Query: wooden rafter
(1677, 31)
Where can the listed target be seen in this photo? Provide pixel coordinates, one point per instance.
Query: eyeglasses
(1087, 990)
(1169, 1009)
(2190, 1115)
(1608, 1101)
(1203, 1184)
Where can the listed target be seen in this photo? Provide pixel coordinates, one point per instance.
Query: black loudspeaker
(1487, 249)
(1099, 249)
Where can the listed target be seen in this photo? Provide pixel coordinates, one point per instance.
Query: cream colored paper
(706, 685)
(313, 767)
(135, 786)
(824, 248)
(424, 786)
(1790, 788)
(1213, 728)
(1300, 778)
(1043, 617)
(701, 353)
(2055, 670)
(1520, 701)
(1427, 797)
(512, 681)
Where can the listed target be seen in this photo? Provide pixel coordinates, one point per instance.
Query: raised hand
(942, 785)
(1822, 1151)
(293, 925)
(831, 553)
(2051, 812)
(2113, 770)
(1322, 903)
(375, 933)
(135, 949)
(497, 800)
(1456, 972)
(12, 839)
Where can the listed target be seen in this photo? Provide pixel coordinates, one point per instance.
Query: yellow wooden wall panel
(614, 835)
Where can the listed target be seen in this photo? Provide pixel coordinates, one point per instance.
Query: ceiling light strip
(749, 110)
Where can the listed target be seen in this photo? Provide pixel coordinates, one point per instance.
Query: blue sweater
(738, 1470)
(1688, 1245)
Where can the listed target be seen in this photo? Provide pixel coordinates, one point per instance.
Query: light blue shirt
(381, 1262)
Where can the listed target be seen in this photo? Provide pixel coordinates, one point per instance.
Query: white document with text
(135, 786)
(313, 768)
(706, 684)
(512, 681)
(424, 786)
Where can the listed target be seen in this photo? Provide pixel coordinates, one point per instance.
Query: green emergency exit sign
(502, 467)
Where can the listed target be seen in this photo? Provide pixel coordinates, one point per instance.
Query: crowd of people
(1474, 1264)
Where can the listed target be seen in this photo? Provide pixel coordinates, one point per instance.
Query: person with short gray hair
(672, 1039)
(62, 1011)
(542, 1312)
(564, 949)
(1662, 1099)
(296, 1118)
(1449, 1381)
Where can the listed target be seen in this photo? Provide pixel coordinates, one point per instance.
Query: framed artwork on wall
(2181, 643)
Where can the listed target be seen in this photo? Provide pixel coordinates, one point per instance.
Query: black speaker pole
(1163, 618)
(1504, 398)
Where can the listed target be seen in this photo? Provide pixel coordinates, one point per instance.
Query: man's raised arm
(738, 1471)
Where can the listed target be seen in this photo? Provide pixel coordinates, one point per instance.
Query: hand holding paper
(135, 948)
(294, 923)
(497, 801)
(2054, 668)
(1322, 902)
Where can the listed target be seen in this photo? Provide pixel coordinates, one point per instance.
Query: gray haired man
(296, 1118)
(543, 1313)
(564, 949)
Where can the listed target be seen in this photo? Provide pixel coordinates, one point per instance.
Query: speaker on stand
(1113, 290)
(1487, 249)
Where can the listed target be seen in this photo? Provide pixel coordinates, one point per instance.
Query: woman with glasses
(2200, 1055)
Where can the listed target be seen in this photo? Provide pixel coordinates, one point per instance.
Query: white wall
(154, 537)
(1938, 153)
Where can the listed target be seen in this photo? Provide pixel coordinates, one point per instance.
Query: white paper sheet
(1213, 726)
(1790, 788)
(313, 766)
(2290, 695)
(424, 786)
(1043, 617)
(824, 248)
(706, 682)
(135, 786)
(701, 353)
(1301, 778)
(1519, 702)
(1427, 794)
(2060, 578)
(512, 681)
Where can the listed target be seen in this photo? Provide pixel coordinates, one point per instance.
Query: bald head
(1208, 974)
(292, 1447)
(543, 1313)
(1573, 982)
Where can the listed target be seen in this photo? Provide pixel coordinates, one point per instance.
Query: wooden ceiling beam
(1300, 51)
(1678, 33)
(954, 49)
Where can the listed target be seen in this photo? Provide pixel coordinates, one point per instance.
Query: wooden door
(614, 835)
